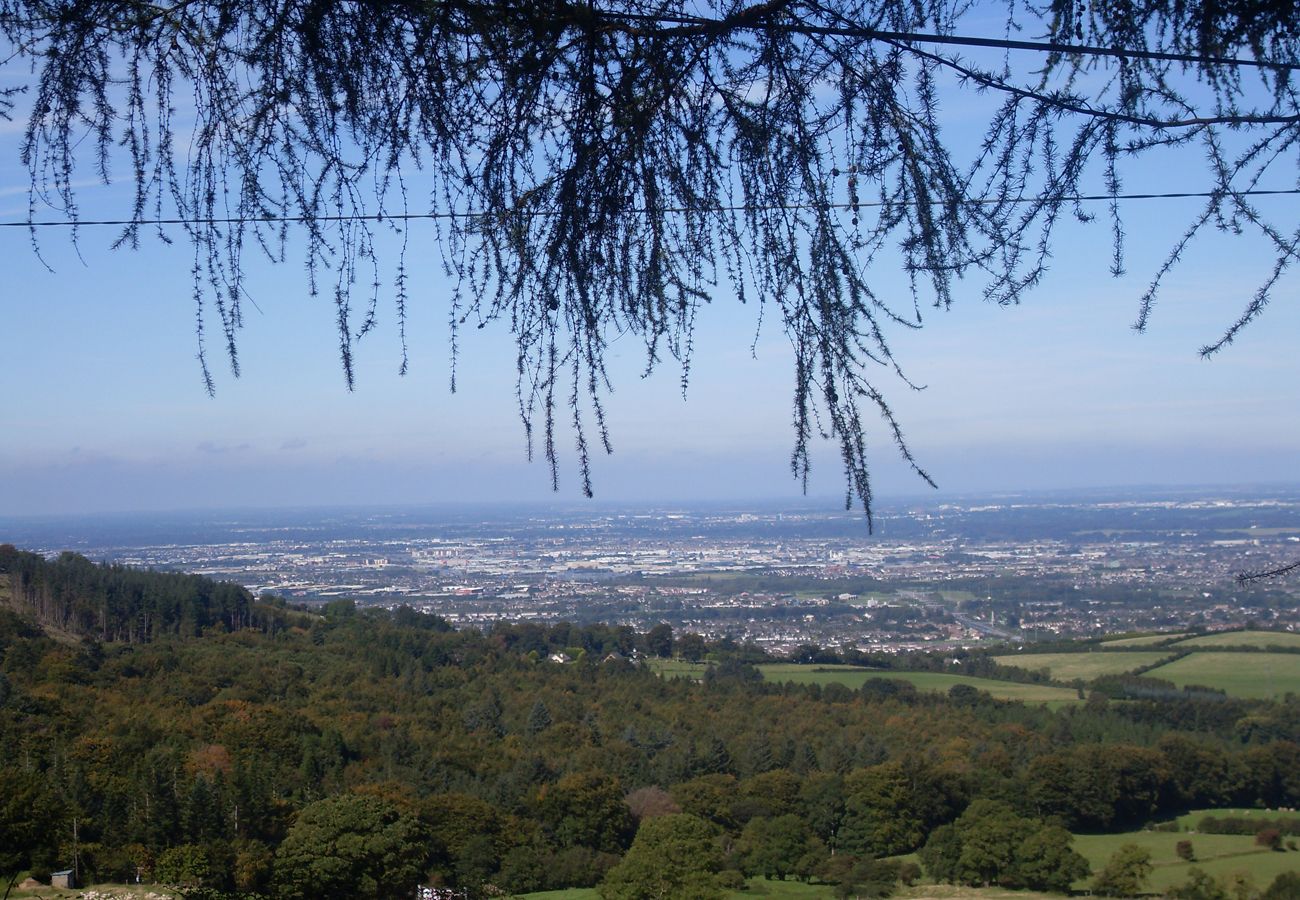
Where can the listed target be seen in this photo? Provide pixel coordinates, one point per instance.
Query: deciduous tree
(1125, 873)
(673, 856)
(351, 846)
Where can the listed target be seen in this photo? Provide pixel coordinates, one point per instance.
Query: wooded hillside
(242, 739)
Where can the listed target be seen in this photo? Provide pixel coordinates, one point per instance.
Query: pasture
(1084, 666)
(1257, 639)
(1249, 675)
(1217, 854)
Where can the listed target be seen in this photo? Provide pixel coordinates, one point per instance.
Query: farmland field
(1254, 675)
(1143, 640)
(1217, 854)
(924, 681)
(1260, 639)
(1087, 666)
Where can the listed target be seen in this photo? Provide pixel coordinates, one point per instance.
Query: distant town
(1024, 568)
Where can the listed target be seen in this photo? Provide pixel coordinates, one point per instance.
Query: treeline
(1243, 825)
(116, 603)
(228, 761)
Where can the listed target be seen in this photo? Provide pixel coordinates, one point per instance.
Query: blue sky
(106, 410)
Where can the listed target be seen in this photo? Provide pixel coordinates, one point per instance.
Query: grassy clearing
(677, 668)
(1217, 854)
(811, 673)
(1260, 639)
(925, 681)
(1253, 675)
(1086, 666)
(1144, 640)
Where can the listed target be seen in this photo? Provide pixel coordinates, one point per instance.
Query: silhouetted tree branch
(1265, 574)
(596, 170)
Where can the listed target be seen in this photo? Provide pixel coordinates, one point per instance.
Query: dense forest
(116, 603)
(173, 729)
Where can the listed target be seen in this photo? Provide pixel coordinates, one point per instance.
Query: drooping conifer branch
(610, 168)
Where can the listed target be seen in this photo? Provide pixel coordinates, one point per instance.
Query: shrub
(1269, 837)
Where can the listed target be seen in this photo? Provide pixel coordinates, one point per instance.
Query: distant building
(64, 879)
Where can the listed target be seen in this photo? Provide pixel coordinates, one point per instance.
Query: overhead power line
(858, 31)
(405, 217)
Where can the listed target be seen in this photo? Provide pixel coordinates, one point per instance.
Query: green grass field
(1260, 639)
(1253, 675)
(677, 668)
(1143, 640)
(925, 681)
(801, 673)
(1217, 854)
(1087, 666)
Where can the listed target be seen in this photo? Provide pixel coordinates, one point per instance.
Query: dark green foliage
(186, 866)
(351, 846)
(115, 603)
(539, 718)
(1125, 873)
(1198, 886)
(773, 847)
(1247, 825)
(673, 856)
(868, 877)
(1099, 787)
(586, 809)
(990, 844)
(219, 744)
(1284, 887)
(659, 641)
(30, 818)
